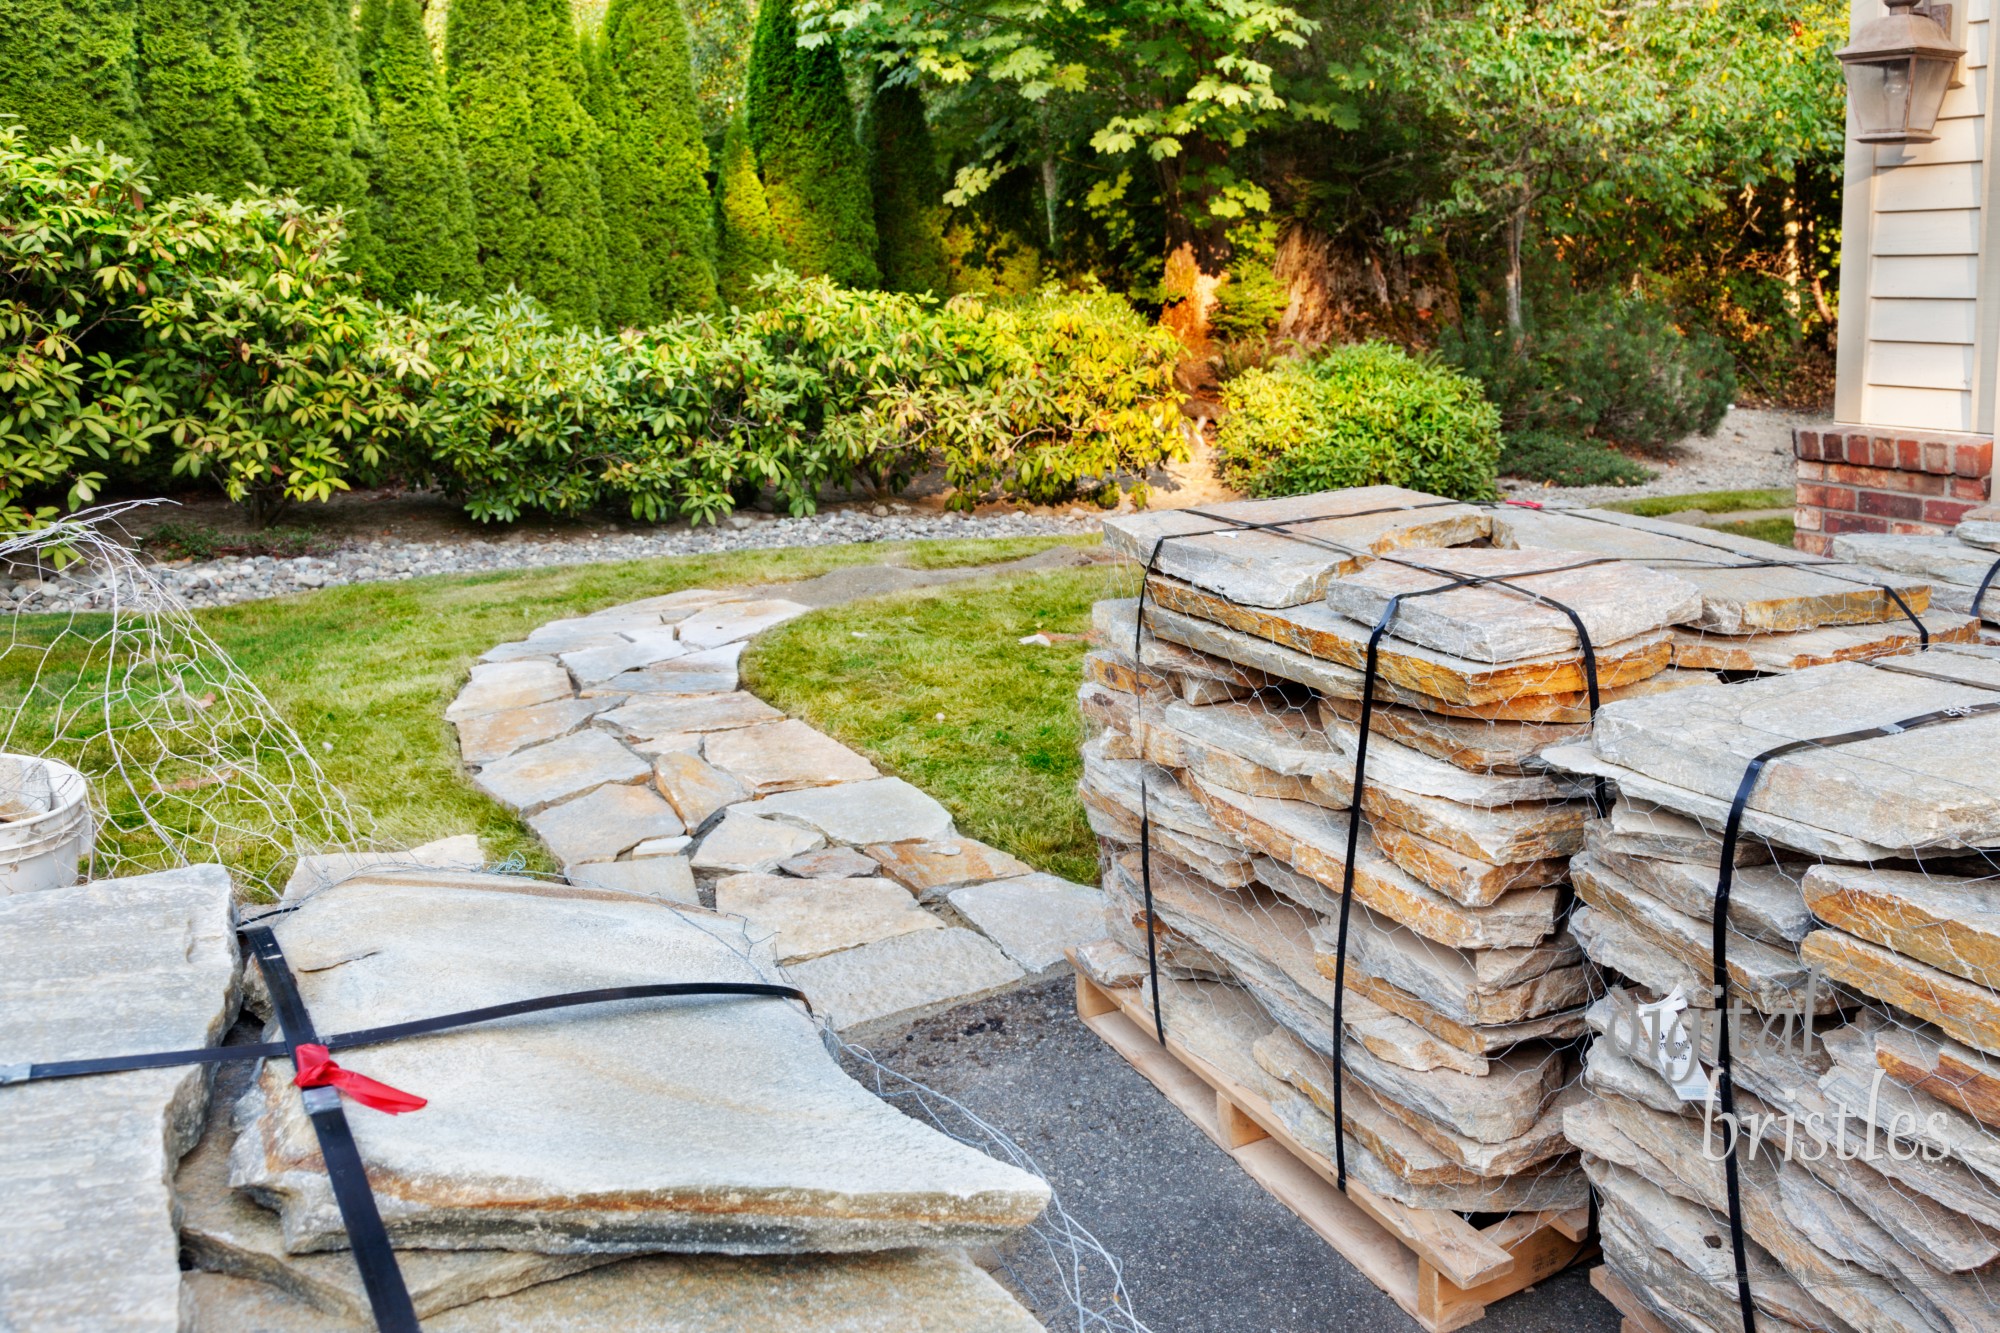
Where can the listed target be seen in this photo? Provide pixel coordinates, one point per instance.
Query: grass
(1562, 460)
(1708, 502)
(1777, 530)
(200, 541)
(364, 672)
(935, 687)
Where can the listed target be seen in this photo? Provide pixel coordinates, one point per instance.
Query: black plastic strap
(388, 1296)
(1984, 584)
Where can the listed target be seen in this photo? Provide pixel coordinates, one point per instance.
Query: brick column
(1869, 479)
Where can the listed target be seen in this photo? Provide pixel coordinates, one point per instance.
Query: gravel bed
(1750, 451)
(244, 579)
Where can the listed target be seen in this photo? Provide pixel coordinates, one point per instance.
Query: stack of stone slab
(1229, 719)
(701, 1163)
(1858, 898)
(1956, 565)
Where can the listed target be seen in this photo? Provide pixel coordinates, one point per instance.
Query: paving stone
(1407, 769)
(697, 789)
(1816, 647)
(859, 813)
(676, 606)
(736, 621)
(546, 651)
(1478, 987)
(110, 967)
(569, 1159)
(832, 863)
(883, 986)
(1764, 901)
(633, 650)
(1945, 559)
(1939, 1067)
(490, 736)
(1634, 828)
(662, 847)
(604, 824)
(497, 686)
(1477, 744)
(805, 918)
(663, 682)
(1111, 964)
(1948, 921)
(460, 852)
(1034, 918)
(931, 869)
(675, 742)
(531, 780)
(912, 1291)
(784, 756)
(1966, 1012)
(664, 877)
(644, 719)
(744, 844)
(1980, 527)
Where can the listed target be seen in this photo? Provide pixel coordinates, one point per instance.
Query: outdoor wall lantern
(1898, 68)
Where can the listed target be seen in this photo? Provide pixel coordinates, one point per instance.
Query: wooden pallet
(1439, 1268)
(1638, 1319)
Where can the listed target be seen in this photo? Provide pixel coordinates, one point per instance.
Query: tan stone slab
(497, 686)
(1459, 877)
(1855, 1081)
(1114, 625)
(696, 789)
(1166, 801)
(1035, 918)
(1926, 556)
(860, 813)
(633, 649)
(1319, 631)
(1411, 770)
(1939, 1067)
(1817, 647)
(1635, 828)
(1105, 668)
(667, 878)
(784, 756)
(890, 984)
(485, 737)
(1460, 985)
(604, 824)
(1967, 1012)
(1269, 731)
(1503, 621)
(1765, 903)
(1191, 758)
(831, 863)
(1327, 534)
(1226, 865)
(745, 844)
(645, 719)
(531, 780)
(1500, 835)
(1947, 921)
(1755, 599)
(736, 621)
(315, 871)
(1109, 963)
(805, 918)
(1475, 744)
(929, 869)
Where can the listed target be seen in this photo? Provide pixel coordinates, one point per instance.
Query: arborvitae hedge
(312, 115)
(815, 176)
(909, 192)
(69, 67)
(747, 239)
(194, 83)
(530, 150)
(420, 200)
(656, 203)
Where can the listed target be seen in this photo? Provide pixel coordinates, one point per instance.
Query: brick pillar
(1870, 479)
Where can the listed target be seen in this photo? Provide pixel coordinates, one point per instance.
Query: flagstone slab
(1498, 835)
(1756, 598)
(489, 736)
(805, 918)
(1134, 787)
(497, 686)
(677, 742)
(697, 789)
(1634, 828)
(1935, 1065)
(858, 813)
(784, 756)
(1035, 919)
(147, 963)
(569, 1160)
(736, 621)
(832, 863)
(932, 869)
(663, 682)
(745, 844)
(1503, 621)
(1267, 731)
(1969, 1013)
(1114, 628)
(316, 871)
(604, 823)
(662, 847)
(1484, 987)
(1411, 770)
(1945, 559)
(1948, 921)
(668, 878)
(880, 987)
(1475, 744)
(531, 780)
(1980, 527)
(1326, 534)
(645, 719)
(633, 650)
(1817, 647)
(1460, 877)
(1765, 902)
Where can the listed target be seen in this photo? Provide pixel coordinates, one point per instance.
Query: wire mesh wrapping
(1413, 819)
(186, 758)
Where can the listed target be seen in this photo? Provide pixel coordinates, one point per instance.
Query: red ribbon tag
(317, 1070)
(1523, 504)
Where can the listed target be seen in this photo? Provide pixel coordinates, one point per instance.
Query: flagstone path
(624, 741)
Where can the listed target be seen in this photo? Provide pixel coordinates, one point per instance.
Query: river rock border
(624, 741)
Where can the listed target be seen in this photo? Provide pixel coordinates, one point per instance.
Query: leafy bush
(1362, 414)
(1566, 460)
(1614, 367)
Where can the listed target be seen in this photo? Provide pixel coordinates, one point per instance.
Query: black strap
(388, 1296)
(1984, 584)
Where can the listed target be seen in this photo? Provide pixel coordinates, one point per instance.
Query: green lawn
(1708, 502)
(364, 672)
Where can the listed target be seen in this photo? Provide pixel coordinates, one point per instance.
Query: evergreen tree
(530, 150)
(312, 115)
(653, 163)
(909, 193)
(420, 200)
(748, 240)
(802, 127)
(194, 83)
(69, 67)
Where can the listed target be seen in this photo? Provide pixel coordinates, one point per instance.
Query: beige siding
(1910, 285)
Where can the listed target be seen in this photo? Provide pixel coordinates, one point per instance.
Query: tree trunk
(1517, 224)
(1197, 261)
(1051, 197)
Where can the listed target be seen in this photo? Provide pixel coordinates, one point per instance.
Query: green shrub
(909, 191)
(1567, 460)
(1360, 415)
(69, 68)
(1247, 307)
(746, 239)
(194, 81)
(1615, 367)
(313, 122)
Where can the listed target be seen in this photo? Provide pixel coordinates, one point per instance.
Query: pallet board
(1637, 1318)
(1439, 1268)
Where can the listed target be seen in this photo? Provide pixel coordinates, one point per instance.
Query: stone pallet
(1440, 1268)
(1637, 1318)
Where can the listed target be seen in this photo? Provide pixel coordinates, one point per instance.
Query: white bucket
(43, 845)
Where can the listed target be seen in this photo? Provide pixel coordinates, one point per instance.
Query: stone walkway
(623, 740)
